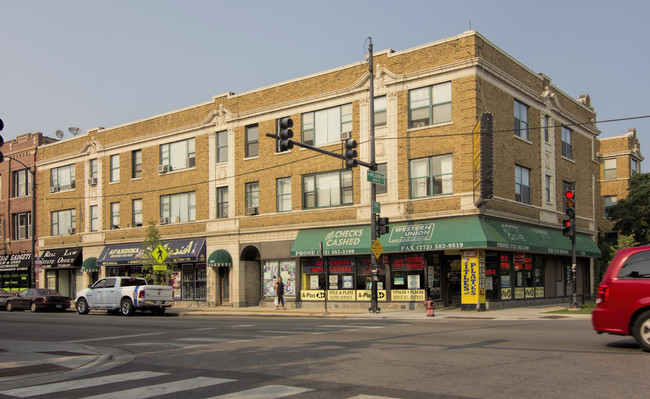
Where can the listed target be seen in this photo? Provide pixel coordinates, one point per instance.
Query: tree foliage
(632, 214)
(150, 243)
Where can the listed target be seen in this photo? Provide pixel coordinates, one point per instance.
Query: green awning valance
(90, 265)
(220, 258)
(465, 232)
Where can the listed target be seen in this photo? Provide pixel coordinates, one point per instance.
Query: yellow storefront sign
(519, 293)
(506, 293)
(473, 277)
(312, 295)
(366, 295)
(407, 295)
(341, 295)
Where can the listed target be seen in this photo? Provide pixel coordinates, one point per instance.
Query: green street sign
(376, 177)
(376, 208)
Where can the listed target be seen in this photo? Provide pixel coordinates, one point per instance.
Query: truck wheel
(126, 307)
(641, 330)
(33, 307)
(10, 307)
(82, 306)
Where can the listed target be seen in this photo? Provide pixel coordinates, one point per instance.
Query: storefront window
(434, 277)
(408, 278)
(539, 276)
(193, 283)
(492, 276)
(14, 281)
(364, 273)
(504, 265)
(285, 268)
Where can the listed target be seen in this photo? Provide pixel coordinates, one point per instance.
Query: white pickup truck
(124, 295)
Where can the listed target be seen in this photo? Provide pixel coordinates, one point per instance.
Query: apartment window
(430, 105)
(222, 202)
(22, 228)
(178, 155)
(94, 218)
(222, 146)
(178, 208)
(252, 192)
(137, 213)
(609, 169)
(610, 200)
(115, 215)
(22, 181)
(547, 188)
(522, 184)
(136, 164)
(63, 222)
(567, 142)
(547, 121)
(327, 189)
(283, 201)
(252, 144)
(382, 188)
(521, 120)
(431, 176)
(325, 126)
(635, 167)
(94, 169)
(115, 168)
(62, 178)
(380, 111)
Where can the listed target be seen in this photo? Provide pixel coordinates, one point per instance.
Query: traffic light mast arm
(322, 151)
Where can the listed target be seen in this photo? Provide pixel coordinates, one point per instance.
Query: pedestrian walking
(279, 294)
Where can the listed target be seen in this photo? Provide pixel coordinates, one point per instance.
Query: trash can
(430, 308)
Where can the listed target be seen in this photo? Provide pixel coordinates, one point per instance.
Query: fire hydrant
(430, 308)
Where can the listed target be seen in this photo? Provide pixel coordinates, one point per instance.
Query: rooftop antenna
(59, 134)
(74, 130)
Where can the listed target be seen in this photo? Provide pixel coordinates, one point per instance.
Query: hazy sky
(105, 63)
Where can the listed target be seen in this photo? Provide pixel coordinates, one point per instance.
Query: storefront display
(286, 268)
(14, 271)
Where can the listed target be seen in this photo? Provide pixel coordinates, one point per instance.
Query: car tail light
(141, 294)
(603, 293)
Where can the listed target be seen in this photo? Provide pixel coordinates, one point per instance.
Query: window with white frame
(136, 215)
(252, 192)
(115, 215)
(62, 178)
(94, 169)
(547, 188)
(252, 141)
(94, 218)
(547, 121)
(63, 222)
(382, 188)
(22, 180)
(430, 105)
(609, 169)
(178, 208)
(283, 201)
(325, 126)
(521, 120)
(222, 146)
(635, 167)
(115, 168)
(567, 142)
(522, 184)
(609, 201)
(178, 155)
(431, 176)
(136, 164)
(22, 226)
(380, 111)
(222, 202)
(327, 189)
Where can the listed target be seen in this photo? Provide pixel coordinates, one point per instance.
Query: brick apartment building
(620, 159)
(237, 212)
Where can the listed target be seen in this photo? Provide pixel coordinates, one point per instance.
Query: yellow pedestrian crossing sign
(159, 254)
(377, 248)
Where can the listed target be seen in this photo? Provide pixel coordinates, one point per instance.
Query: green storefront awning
(220, 258)
(90, 265)
(465, 232)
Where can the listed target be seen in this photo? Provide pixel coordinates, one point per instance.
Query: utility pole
(374, 308)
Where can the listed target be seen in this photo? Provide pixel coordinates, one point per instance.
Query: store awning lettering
(61, 258)
(180, 251)
(15, 262)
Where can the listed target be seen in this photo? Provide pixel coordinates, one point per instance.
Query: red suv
(623, 301)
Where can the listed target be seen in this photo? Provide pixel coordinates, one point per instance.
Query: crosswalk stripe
(213, 340)
(78, 384)
(371, 397)
(265, 392)
(162, 389)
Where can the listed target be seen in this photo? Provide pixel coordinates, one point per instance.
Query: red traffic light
(569, 195)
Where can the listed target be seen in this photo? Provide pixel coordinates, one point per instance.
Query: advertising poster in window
(473, 277)
(288, 273)
(269, 274)
(413, 281)
(271, 270)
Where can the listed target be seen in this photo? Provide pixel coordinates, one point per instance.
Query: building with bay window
(475, 213)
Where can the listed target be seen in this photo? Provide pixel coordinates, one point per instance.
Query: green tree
(632, 214)
(150, 243)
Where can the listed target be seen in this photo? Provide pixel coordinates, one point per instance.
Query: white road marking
(162, 389)
(266, 392)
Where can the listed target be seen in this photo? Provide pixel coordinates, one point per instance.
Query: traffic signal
(382, 226)
(350, 153)
(286, 134)
(570, 203)
(569, 229)
(2, 126)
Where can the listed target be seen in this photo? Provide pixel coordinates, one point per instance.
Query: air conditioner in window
(346, 135)
(164, 220)
(53, 189)
(191, 162)
(92, 181)
(252, 211)
(164, 168)
(71, 231)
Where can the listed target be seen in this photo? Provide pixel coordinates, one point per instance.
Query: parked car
(4, 295)
(623, 300)
(36, 299)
